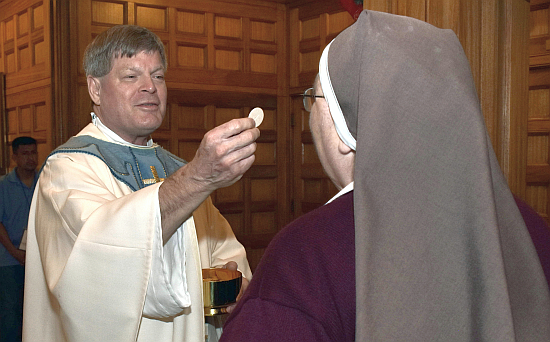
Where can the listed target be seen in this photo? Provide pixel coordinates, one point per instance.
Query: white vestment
(92, 244)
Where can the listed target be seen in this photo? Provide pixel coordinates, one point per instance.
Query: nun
(424, 241)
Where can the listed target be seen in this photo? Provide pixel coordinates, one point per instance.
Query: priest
(119, 228)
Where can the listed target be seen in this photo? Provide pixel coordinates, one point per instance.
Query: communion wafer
(257, 114)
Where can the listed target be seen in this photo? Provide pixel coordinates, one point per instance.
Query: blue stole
(135, 167)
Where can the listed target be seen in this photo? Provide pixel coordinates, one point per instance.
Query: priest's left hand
(232, 265)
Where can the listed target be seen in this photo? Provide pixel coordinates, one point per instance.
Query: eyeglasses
(309, 98)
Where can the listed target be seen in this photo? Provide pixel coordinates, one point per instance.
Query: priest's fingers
(244, 285)
(237, 133)
(234, 127)
(231, 265)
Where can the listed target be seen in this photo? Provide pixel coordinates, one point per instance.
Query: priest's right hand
(224, 155)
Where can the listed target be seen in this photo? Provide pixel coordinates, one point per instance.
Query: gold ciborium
(220, 289)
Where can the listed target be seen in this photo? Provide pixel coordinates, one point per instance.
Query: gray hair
(120, 41)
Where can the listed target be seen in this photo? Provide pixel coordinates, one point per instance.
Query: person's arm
(15, 252)
(224, 155)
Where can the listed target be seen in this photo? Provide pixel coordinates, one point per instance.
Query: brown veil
(442, 252)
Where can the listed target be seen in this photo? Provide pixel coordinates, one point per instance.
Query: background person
(120, 228)
(441, 250)
(16, 190)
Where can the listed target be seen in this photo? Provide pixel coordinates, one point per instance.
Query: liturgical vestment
(93, 251)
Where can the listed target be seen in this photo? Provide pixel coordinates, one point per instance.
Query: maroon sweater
(540, 234)
(304, 287)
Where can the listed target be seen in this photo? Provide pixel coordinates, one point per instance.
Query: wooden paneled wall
(226, 57)
(25, 61)
(538, 153)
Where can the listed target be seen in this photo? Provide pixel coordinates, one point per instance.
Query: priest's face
(131, 99)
